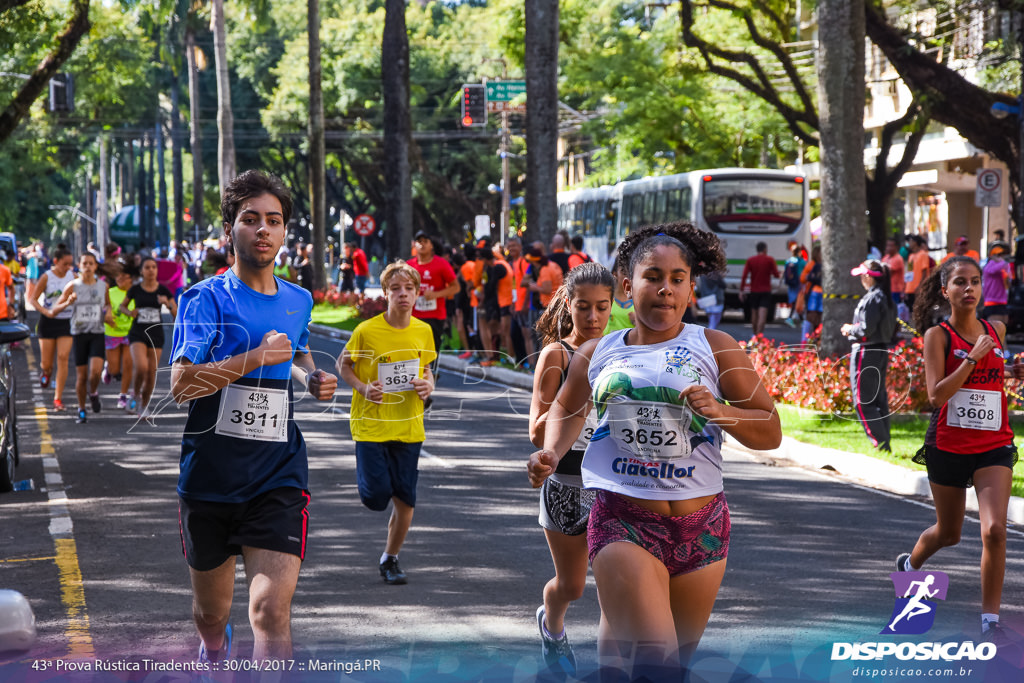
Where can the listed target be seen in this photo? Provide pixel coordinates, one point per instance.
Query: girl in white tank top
(664, 393)
(54, 329)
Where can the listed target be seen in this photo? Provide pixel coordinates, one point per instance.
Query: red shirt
(896, 270)
(761, 268)
(980, 398)
(435, 275)
(359, 265)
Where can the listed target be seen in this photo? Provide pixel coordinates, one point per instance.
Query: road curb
(870, 471)
(863, 468)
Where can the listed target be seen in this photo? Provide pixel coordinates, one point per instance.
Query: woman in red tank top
(969, 441)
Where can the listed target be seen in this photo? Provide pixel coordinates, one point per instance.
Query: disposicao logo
(914, 614)
(914, 611)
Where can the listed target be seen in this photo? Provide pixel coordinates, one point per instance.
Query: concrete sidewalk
(856, 467)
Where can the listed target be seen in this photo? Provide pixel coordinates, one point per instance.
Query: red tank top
(975, 419)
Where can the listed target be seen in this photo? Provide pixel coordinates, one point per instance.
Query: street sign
(482, 226)
(498, 107)
(504, 91)
(989, 189)
(364, 225)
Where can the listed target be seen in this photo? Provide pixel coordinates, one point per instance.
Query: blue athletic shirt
(222, 317)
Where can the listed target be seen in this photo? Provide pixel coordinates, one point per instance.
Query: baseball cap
(961, 240)
(421, 235)
(866, 269)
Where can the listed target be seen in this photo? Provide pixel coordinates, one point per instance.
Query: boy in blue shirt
(243, 485)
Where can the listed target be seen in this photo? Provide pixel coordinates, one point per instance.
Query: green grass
(844, 433)
(340, 317)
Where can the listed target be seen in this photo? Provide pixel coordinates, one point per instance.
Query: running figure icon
(915, 596)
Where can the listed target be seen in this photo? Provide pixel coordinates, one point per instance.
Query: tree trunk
(317, 196)
(177, 181)
(397, 131)
(841, 111)
(541, 118)
(102, 210)
(225, 118)
(196, 133)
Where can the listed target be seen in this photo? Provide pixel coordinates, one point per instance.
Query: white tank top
(647, 445)
(55, 286)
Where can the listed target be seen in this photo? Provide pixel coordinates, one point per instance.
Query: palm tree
(317, 182)
(397, 129)
(541, 116)
(225, 118)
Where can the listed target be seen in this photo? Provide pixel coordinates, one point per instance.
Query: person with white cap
(874, 322)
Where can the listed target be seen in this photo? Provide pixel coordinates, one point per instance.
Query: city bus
(742, 206)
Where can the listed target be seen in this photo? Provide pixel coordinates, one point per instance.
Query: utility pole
(506, 184)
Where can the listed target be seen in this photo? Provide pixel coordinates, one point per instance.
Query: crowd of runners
(630, 406)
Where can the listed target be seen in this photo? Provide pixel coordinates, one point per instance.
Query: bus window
(686, 204)
(774, 205)
(588, 218)
(604, 208)
(660, 215)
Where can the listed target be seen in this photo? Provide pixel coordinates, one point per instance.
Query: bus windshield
(739, 204)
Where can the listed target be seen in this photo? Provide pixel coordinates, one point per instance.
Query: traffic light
(62, 93)
(186, 215)
(474, 105)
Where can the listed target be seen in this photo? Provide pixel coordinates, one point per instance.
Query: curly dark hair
(251, 184)
(930, 306)
(701, 249)
(556, 321)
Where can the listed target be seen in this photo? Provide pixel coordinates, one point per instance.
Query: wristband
(971, 360)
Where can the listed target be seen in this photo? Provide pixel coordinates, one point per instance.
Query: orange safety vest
(505, 284)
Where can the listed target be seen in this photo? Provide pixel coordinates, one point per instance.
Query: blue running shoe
(207, 656)
(557, 652)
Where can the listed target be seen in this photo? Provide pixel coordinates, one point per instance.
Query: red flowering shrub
(371, 307)
(794, 374)
(318, 296)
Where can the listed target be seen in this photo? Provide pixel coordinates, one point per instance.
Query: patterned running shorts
(683, 544)
(564, 508)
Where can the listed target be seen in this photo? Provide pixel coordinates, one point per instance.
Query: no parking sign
(364, 225)
(989, 189)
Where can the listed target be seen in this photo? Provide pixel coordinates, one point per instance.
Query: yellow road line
(72, 588)
(28, 559)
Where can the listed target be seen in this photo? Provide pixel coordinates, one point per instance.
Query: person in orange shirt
(576, 254)
(919, 265)
(521, 298)
(960, 249)
(892, 258)
(494, 292)
(6, 291)
(467, 302)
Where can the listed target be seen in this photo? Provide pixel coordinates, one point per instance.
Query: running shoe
(106, 375)
(58, 405)
(790, 322)
(391, 572)
(122, 402)
(44, 381)
(207, 656)
(902, 561)
(992, 631)
(557, 651)
(466, 355)
(81, 416)
(94, 401)
(488, 363)
(132, 404)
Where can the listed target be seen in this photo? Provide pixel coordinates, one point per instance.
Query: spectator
(346, 276)
(873, 326)
(437, 284)
(920, 265)
(813, 294)
(558, 254)
(791, 278)
(576, 253)
(360, 267)
(960, 248)
(995, 283)
(897, 268)
(494, 292)
(306, 269)
(760, 268)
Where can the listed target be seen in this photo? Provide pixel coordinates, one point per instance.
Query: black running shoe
(391, 572)
(902, 561)
(94, 400)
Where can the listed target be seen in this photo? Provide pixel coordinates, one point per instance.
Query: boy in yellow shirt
(387, 364)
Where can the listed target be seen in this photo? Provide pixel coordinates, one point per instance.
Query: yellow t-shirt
(380, 351)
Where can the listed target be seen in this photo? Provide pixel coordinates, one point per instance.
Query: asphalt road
(809, 563)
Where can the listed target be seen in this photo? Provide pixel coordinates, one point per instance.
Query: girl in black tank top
(578, 312)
